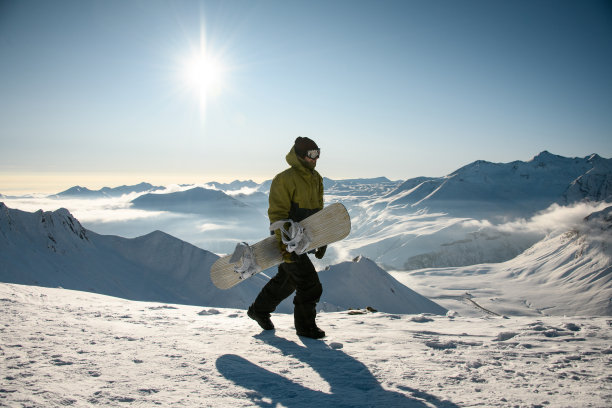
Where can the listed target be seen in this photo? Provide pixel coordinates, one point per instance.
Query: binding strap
(295, 237)
(248, 266)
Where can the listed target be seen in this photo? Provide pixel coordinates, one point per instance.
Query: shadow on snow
(351, 383)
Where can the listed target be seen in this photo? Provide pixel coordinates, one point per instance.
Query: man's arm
(279, 201)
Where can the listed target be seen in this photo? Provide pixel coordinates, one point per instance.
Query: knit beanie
(303, 145)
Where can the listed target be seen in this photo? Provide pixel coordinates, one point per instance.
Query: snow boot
(311, 332)
(304, 316)
(263, 319)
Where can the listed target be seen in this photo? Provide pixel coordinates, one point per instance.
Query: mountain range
(197, 200)
(84, 192)
(481, 214)
(53, 249)
(479, 190)
(506, 190)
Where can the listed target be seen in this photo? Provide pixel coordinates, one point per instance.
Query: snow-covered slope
(65, 348)
(53, 249)
(594, 185)
(566, 273)
(483, 212)
(503, 190)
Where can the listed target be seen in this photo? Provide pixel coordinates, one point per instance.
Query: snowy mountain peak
(234, 185)
(194, 201)
(59, 229)
(6, 222)
(76, 190)
(546, 156)
(364, 284)
(594, 185)
(83, 192)
(595, 158)
(517, 189)
(603, 217)
(61, 221)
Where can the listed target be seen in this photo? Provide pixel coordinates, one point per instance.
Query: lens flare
(203, 74)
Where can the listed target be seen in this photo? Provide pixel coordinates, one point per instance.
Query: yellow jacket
(296, 192)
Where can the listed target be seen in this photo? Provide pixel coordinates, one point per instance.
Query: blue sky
(94, 92)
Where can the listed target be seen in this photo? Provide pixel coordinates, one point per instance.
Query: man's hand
(320, 252)
(287, 256)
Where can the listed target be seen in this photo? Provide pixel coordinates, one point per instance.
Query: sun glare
(203, 75)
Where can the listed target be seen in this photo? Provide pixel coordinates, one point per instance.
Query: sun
(203, 75)
(203, 72)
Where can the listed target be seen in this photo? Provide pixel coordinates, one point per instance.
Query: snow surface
(70, 348)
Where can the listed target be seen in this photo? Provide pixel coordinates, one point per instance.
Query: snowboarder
(295, 194)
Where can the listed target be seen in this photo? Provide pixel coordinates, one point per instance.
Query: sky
(106, 93)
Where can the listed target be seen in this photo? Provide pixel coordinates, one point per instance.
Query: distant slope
(235, 185)
(194, 201)
(429, 221)
(84, 192)
(568, 273)
(518, 189)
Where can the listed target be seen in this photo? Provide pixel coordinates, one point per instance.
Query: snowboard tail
(325, 227)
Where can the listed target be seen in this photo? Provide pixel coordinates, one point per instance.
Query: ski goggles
(313, 154)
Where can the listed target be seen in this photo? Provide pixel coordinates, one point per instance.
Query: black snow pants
(300, 277)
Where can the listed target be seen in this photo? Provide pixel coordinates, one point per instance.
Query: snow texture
(67, 348)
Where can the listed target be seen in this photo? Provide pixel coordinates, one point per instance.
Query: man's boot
(263, 319)
(304, 318)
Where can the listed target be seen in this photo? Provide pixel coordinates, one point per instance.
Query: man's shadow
(351, 383)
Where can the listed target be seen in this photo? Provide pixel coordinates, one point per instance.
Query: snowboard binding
(244, 260)
(295, 237)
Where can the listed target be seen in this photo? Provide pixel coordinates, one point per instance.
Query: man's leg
(271, 295)
(308, 293)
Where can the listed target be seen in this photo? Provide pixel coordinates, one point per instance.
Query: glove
(320, 252)
(288, 257)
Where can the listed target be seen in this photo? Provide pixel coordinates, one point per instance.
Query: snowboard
(324, 227)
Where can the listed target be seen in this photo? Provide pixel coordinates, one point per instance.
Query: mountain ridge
(53, 249)
(481, 212)
(517, 188)
(78, 191)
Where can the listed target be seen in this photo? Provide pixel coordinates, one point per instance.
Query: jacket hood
(294, 161)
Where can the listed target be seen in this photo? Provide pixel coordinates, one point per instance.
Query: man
(295, 194)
